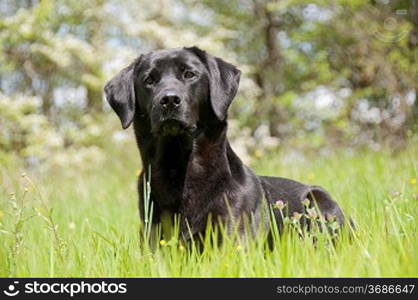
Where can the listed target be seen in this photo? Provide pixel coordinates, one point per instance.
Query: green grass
(73, 223)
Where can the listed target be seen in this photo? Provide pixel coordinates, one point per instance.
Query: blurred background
(317, 75)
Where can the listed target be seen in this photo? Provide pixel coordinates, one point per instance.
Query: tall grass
(71, 224)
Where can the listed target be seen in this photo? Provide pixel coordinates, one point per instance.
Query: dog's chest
(167, 188)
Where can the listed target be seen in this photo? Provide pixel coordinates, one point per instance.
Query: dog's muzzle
(170, 109)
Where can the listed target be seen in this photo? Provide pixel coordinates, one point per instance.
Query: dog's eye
(189, 74)
(149, 80)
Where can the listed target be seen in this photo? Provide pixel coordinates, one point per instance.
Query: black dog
(177, 100)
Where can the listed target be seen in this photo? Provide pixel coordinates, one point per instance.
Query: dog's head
(177, 90)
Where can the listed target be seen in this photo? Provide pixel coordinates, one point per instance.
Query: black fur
(177, 100)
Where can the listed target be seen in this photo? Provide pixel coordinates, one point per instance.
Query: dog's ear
(223, 81)
(120, 93)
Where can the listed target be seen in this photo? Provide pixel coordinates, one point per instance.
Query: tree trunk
(268, 76)
(94, 100)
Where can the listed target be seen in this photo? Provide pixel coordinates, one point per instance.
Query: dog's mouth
(173, 127)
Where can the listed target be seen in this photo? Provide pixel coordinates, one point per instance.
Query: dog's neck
(175, 152)
(187, 170)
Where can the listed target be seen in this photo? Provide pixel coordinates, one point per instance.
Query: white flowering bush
(26, 134)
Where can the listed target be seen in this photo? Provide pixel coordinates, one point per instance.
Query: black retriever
(178, 100)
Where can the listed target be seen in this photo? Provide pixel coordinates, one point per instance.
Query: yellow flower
(239, 247)
(163, 243)
(181, 248)
(258, 153)
(413, 181)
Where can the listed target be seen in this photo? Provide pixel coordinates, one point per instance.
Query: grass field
(72, 223)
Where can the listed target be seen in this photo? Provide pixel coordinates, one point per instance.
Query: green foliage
(45, 48)
(92, 230)
(316, 74)
(32, 137)
(364, 46)
(62, 53)
(23, 130)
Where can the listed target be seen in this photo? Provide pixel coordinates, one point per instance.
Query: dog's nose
(170, 100)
